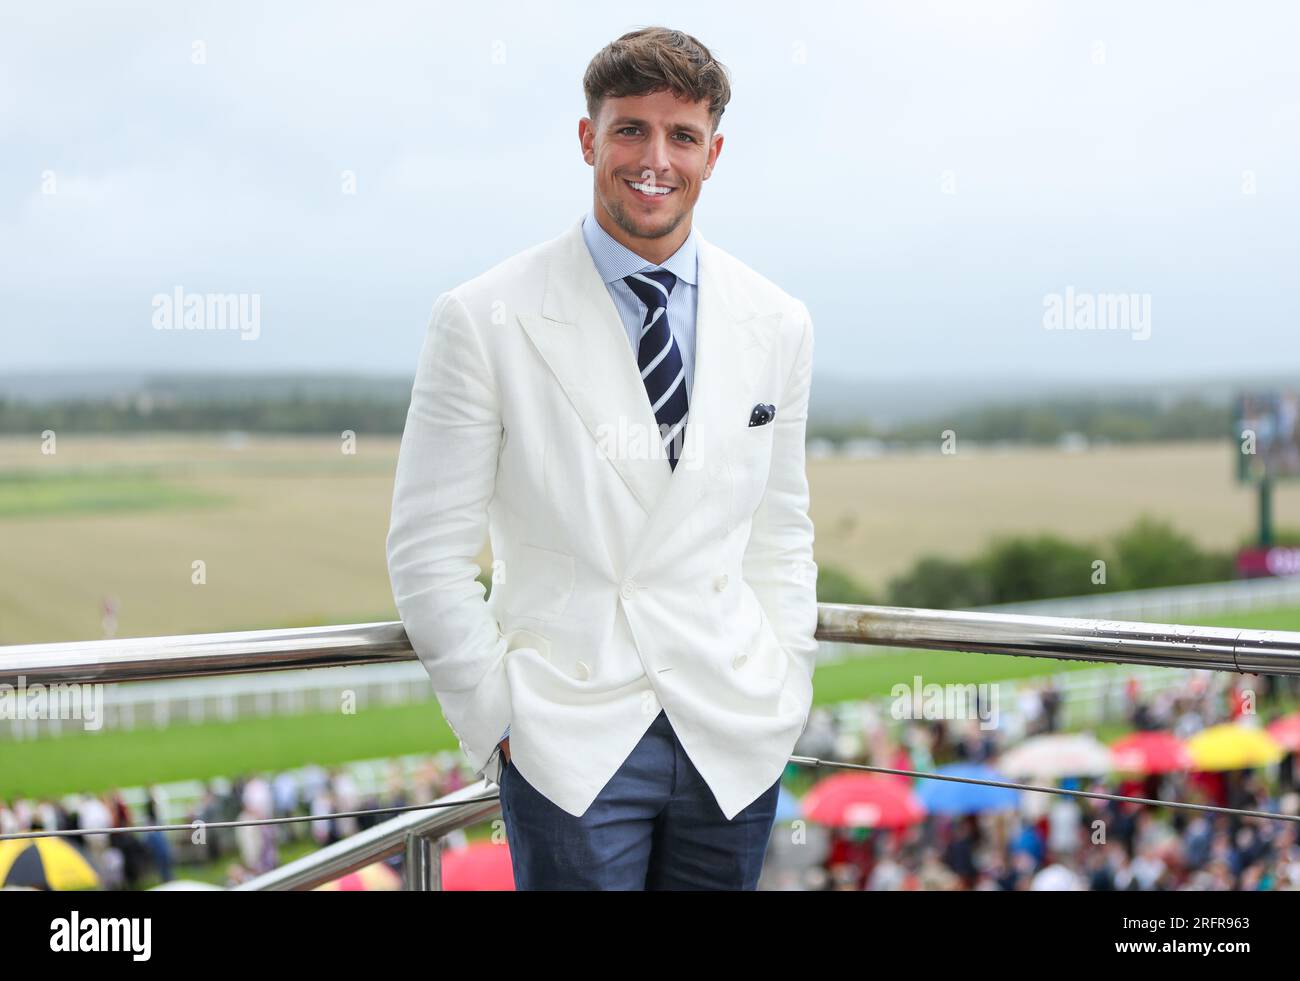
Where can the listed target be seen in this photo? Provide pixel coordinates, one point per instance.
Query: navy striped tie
(659, 359)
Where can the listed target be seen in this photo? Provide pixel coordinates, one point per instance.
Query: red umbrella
(1150, 752)
(862, 800)
(481, 867)
(1286, 730)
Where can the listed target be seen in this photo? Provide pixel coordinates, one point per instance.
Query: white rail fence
(1169, 603)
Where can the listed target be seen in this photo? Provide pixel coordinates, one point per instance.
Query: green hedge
(1148, 554)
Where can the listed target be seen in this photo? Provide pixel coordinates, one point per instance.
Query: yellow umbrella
(45, 863)
(1233, 747)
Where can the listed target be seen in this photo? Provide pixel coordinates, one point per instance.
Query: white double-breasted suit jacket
(620, 586)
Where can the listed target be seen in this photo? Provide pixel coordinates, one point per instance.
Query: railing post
(423, 863)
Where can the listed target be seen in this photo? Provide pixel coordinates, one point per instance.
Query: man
(622, 410)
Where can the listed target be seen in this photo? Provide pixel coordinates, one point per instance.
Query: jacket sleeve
(778, 563)
(446, 475)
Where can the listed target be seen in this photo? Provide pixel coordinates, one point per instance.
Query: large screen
(1267, 435)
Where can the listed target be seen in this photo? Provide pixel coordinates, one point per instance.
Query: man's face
(651, 154)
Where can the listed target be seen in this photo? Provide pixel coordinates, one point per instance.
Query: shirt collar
(616, 261)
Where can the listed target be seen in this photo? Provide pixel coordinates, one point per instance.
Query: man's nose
(655, 157)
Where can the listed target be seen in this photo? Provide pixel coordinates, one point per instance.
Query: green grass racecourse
(94, 761)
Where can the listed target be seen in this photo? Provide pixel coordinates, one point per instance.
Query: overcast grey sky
(922, 175)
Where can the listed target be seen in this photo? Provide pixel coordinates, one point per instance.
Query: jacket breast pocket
(755, 439)
(759, 436)
(538, 582)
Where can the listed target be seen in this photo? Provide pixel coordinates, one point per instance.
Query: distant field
(100, 760)
(875, 517)
(35, 495)
(292, 531)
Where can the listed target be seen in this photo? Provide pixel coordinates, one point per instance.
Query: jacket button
(629, 589)
(739, 660)
(582, 671)
(720, 583)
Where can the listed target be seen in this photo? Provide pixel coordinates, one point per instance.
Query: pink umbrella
(481, 867)
(863, 800)
(376, 877)
(1150, 752)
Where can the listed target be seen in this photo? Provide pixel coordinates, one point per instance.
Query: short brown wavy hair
(654, 59)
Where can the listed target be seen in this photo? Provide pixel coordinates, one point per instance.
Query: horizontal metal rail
(1061, 638)
(1168, 645)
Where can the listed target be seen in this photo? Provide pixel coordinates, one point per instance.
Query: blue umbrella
(947, 797)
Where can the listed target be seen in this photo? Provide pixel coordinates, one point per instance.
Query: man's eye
(636, 129)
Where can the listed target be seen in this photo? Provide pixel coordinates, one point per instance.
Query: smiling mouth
(650, 192)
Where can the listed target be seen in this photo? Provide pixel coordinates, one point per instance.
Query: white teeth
(649, 189)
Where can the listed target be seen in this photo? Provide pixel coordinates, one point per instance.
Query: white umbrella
(1057, 755)
(1055, 878)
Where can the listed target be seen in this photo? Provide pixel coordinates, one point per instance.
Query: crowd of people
(1054, 842)
(135, 859)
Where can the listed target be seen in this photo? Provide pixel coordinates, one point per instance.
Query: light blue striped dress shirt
(614, 261)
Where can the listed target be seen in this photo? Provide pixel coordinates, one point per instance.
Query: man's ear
(714, 153)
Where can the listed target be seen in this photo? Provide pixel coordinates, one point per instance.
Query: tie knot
(652, 287)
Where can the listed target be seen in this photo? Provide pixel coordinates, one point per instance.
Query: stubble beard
(619, 213)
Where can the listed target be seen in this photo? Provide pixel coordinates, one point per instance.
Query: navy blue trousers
(655, 825)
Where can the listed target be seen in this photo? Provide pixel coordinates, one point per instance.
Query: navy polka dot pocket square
(762, 414)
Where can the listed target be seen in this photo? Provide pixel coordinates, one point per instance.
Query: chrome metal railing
(420, 833)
